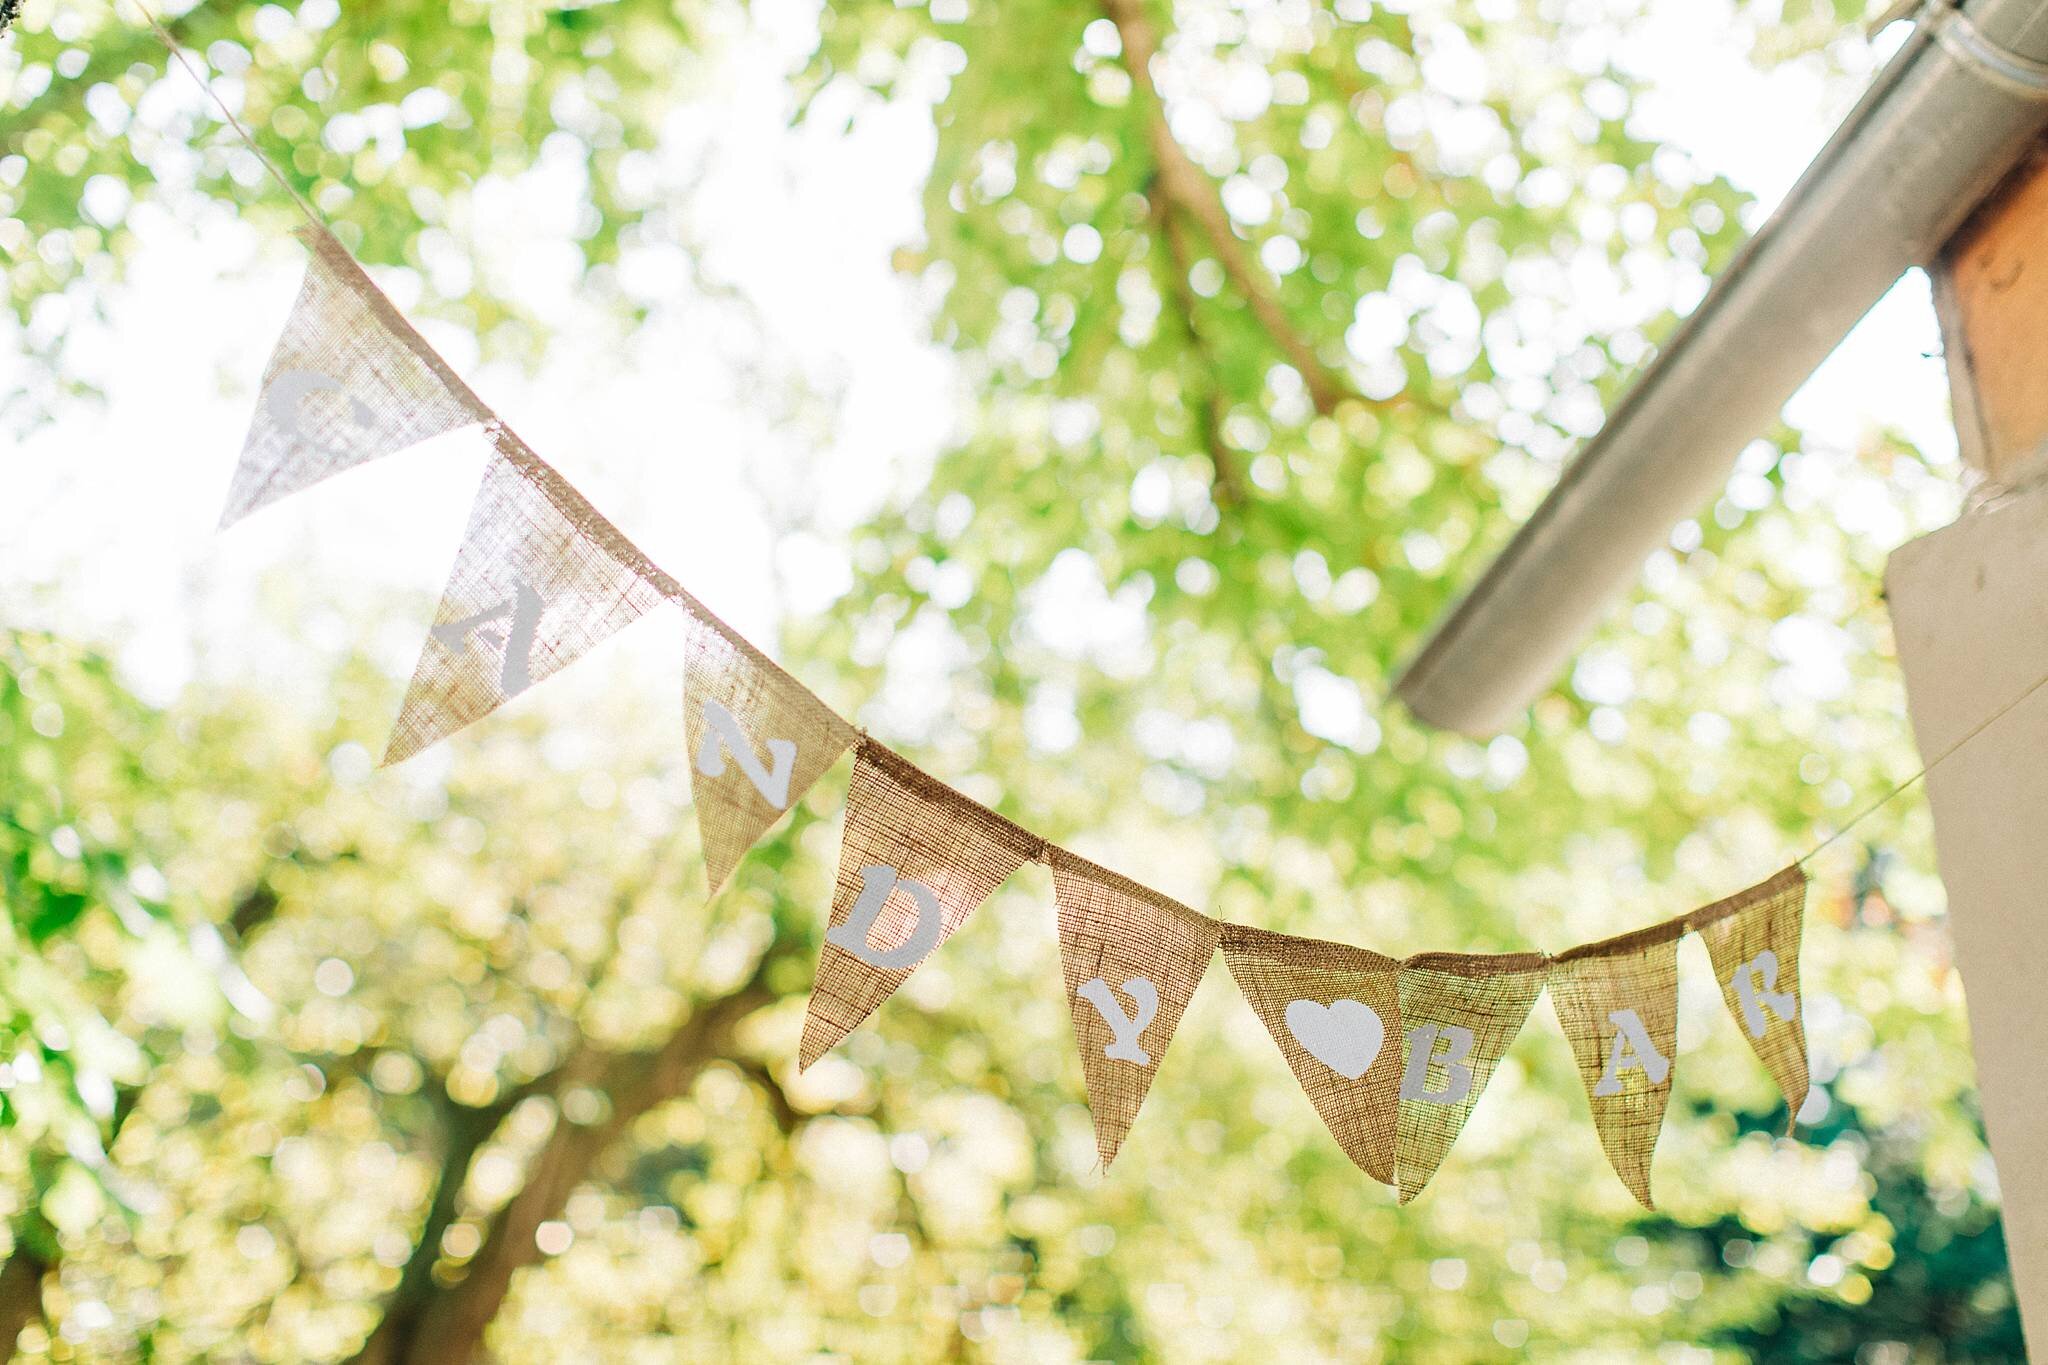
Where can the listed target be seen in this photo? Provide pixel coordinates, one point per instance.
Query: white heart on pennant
(1344, 1035)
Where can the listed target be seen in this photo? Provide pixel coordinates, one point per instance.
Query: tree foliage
(1275, 318)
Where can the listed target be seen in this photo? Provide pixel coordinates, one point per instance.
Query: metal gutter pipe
(1949, 115)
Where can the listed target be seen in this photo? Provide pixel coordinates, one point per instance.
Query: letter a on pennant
(1132, 959)
(1753, 939)
(1336, 1014)
(917, 859)
(540, 578)
(1617, 1002)
(349, 381)
(758, 741)
(1461, 1011)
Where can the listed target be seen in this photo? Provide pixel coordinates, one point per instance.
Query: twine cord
(1950, 752)
(177, 52)
(1041, 850)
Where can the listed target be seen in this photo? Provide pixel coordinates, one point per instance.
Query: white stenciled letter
(1126, 1028)
(876, 882)
(523, 609)
(723, 736)
(1632, 1048)
(289, 390)
(1422, 1051)
(1756, 986)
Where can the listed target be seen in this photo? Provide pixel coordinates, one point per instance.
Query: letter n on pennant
(1336, 1014)
(1617, 1002)
(917, 859)
(758, 741)
(539, 580)
(1131, 959)
(1753, 939)
(1460, 1012)
(350, 381)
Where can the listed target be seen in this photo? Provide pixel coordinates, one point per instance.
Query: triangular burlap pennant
(758, 740)
(1617, 1002)
(350, 381)
(540, 578)
(917, 859)
(1335, 1012)
(1753, 939)
(1132, 959)
(1460, 1012)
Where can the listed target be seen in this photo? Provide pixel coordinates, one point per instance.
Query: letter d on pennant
(916, 860)
(876, 883)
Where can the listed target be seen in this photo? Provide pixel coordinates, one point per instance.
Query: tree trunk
(21, 1295)
(447, 1326)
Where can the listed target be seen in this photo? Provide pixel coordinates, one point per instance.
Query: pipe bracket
(1996, 65)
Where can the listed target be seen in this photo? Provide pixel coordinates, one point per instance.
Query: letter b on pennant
(1454, 1057)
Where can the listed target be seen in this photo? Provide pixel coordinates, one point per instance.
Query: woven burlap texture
(542, 577)
(899, 818)
(1335, 1012)
(539, 579)
(350, 381)
(1588, 986)
(787, 738)
(1149, 953)
(1489, 994)
(1738, 931)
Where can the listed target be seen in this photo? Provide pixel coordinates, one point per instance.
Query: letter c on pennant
(876, 882)
(288, 392)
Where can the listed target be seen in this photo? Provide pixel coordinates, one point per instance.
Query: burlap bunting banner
(1617, 1002)
(1460, 1012)
(1753, 939)
(1394, 1055)
(1335, 1012)
(540, 578)
(917, 859)
(758, 740)
(350, 381)
(1132, 959)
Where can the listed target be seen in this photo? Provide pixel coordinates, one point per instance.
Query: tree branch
(1210, 409)
(448, 1327)
(1192, 192)
(467, 1130)
(21, 1292)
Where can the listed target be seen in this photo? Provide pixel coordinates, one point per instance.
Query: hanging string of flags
(1392, 1053)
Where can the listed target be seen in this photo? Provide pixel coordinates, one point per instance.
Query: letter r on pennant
(876, 882)
(1756, 988)
(723, 736)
